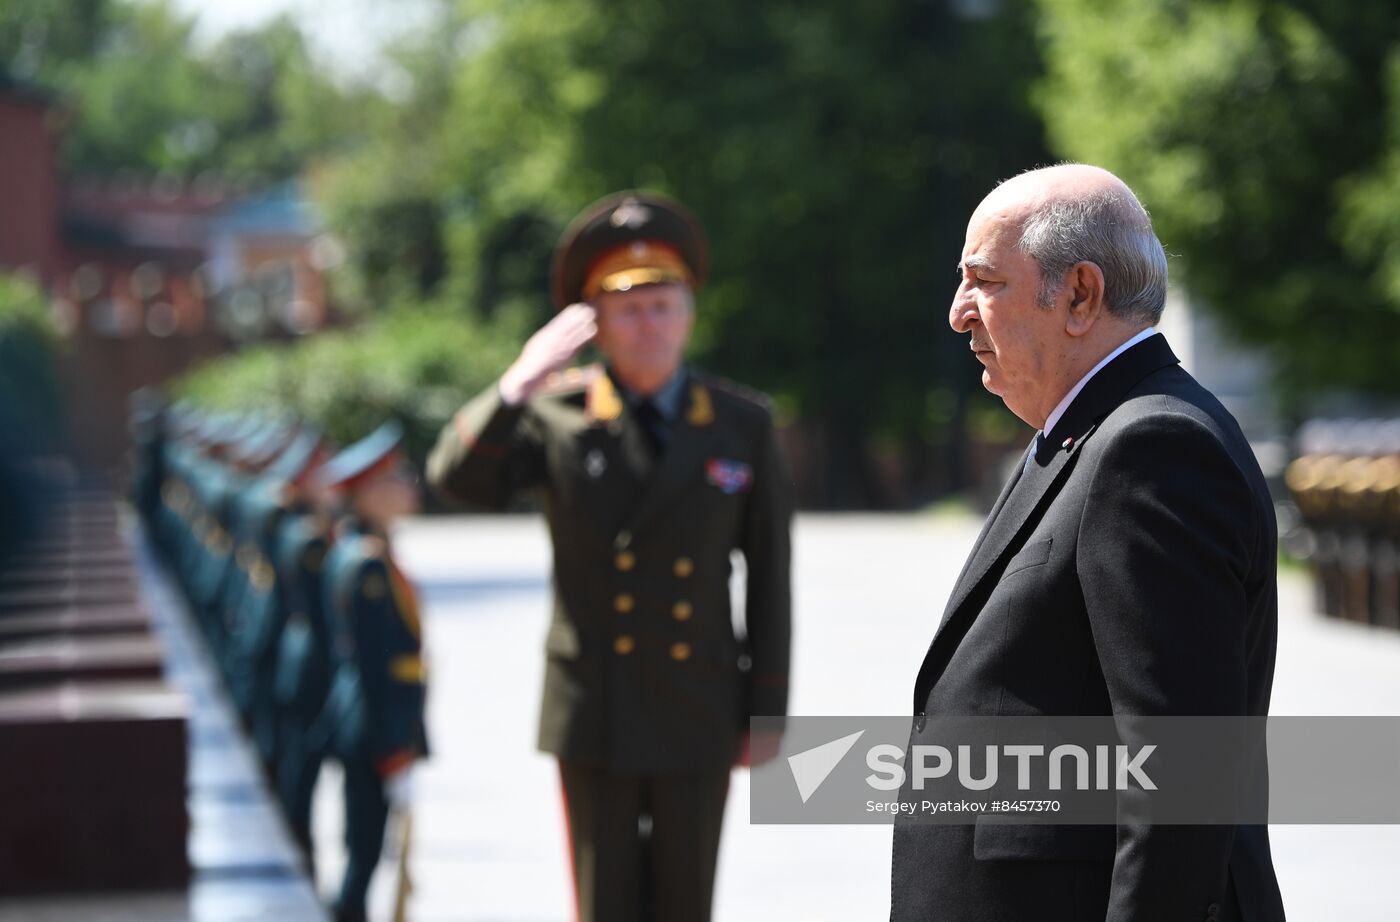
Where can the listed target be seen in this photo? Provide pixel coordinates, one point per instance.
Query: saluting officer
(373, 718)
(651, 473)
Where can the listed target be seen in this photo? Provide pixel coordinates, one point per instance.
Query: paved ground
(869, 590)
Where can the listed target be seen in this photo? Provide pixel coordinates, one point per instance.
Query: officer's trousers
(644, 847)
(366, 813)
(298, 766)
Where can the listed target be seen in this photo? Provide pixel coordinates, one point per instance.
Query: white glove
(549, 350)
(398, 788)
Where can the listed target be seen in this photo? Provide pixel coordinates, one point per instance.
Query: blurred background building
(147, 276)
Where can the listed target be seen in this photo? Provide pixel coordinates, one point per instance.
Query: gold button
(372, 586)
(624, 602)
(680, 652)
(684, 567)
(624, 645)
(626, 561)
(261, 575)
(682, 610)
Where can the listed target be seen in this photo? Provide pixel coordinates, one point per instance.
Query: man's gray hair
(1110, 230)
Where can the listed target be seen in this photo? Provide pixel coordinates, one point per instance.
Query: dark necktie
(1035, 450)
(653, 427)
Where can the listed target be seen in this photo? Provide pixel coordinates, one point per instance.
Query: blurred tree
(1256, 133)
(39, 37)
(833, 151)
(143, 102)
(147, 100)
(280, 107)
(387, 198)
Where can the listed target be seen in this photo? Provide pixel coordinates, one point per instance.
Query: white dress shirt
(1068, 399)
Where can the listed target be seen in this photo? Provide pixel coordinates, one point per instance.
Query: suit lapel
(1036, 483)
(692, 434)
(1006, 489)
(1039, 481)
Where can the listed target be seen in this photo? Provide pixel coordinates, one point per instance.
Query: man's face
(644, 331)
(1015, 339)
(389, 495)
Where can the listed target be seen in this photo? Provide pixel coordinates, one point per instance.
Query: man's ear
(1086, 302)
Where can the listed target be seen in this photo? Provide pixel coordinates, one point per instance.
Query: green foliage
(29, 389)
(39, 38)
(1370, 223)
(386, 211)
(833, 151)
(387, 199)
(416, 365)
(1262, 136)
(145, 99)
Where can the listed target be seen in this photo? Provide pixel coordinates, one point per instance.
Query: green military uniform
(647, 688)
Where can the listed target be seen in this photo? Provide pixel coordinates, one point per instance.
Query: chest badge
(729, 476)
(594, 464)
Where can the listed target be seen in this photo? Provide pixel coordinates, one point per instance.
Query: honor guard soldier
(304, 652)
(651, 474)
(373, 718)
(212, 478)
(277, 495)
(147, 426)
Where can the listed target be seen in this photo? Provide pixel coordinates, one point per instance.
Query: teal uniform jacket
(260, 600)
(644, 670)
(375, 707)
(148, 471)
(178, 509)
(303, 672)
(212, 560)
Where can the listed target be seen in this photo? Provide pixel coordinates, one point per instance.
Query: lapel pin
(595, 464)
(1067, 443)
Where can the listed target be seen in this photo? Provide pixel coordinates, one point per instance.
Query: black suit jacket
(1130, 571)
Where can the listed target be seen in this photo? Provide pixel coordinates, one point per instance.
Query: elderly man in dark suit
(1128, 567)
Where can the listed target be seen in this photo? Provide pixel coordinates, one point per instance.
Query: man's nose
(963, 313)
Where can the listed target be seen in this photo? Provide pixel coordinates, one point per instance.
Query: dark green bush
(30, 398)
(413, 364)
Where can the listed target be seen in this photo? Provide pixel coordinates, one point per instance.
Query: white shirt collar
(1064, 403)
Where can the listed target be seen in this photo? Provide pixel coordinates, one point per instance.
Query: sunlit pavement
(488, 840)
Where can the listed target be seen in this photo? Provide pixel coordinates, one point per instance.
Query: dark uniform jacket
(644, 670)
(304, 648)
(258, 613)
(1128, 569)
(375, 708)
